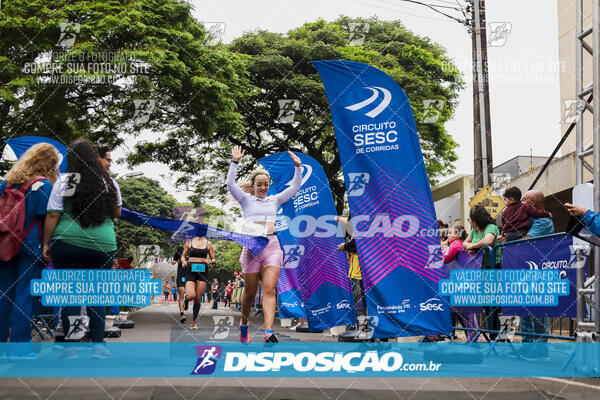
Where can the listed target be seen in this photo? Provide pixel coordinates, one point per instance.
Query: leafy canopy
(279, 68)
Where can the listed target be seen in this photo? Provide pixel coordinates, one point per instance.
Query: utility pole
(482, 138)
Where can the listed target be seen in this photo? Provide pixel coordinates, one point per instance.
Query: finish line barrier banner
(186, 230)
(465, 261)
(555, 254)
(313, 268)
(390, 200)
(315, 360)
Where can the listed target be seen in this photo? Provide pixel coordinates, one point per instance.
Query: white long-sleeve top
(261, 210)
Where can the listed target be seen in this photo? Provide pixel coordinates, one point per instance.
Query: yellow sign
(490, 200)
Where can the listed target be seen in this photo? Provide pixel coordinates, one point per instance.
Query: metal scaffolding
(588, 329)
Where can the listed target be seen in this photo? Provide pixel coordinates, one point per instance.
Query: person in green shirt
(79, 231)
(483, 233)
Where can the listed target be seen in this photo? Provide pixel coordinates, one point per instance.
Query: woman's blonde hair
(248, 187)
(39, 160)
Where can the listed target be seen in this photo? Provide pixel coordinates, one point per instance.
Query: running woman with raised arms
(258, 208)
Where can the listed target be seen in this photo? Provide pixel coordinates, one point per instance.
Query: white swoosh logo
(306, 172)
(532, 265)
(387, 97)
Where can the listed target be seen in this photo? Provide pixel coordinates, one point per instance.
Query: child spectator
(456, 235)
(516, 218)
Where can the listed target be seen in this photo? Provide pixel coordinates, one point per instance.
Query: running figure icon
(207, 359)
(358, 183)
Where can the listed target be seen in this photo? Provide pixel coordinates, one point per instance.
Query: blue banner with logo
(556, 253)
(390, 199)
(21, 144)
(313, 268)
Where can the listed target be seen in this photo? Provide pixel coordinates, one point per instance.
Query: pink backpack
(12, 219)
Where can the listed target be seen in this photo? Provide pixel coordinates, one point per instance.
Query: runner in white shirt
(258, 208)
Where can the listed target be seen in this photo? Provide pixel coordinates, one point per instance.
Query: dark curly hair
(514, 193)
(95, 196)
(481, 217)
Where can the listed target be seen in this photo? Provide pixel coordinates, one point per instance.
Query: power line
(396, 10)
(433, 8)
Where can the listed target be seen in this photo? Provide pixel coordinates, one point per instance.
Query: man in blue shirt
(539, 227)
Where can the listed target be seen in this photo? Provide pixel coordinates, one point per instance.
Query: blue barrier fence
(554, 251)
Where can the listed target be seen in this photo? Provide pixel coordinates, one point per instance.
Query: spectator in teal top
(81, 209)
(483, 233)
(16, 274)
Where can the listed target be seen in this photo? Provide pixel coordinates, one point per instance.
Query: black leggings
(196, 309)
(68, 256)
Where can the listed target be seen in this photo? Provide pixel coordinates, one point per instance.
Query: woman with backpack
(24, 196)
(80, 225)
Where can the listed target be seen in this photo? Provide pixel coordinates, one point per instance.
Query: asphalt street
(160, 323)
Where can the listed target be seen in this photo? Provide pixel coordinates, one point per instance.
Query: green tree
(279, 67)
(227, 255)
(149, 54)
(146, 196)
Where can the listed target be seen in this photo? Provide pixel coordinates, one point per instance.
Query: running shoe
(245, 336)
(270, 338)
(182, 319)
(193, 325)
(100, 351)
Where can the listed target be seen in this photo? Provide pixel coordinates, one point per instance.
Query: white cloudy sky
(524, 73)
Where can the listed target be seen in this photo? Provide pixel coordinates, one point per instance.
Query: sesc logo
(387, 97)
(433, 304)
(343, 304)
(292, 255)
(207, 359)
